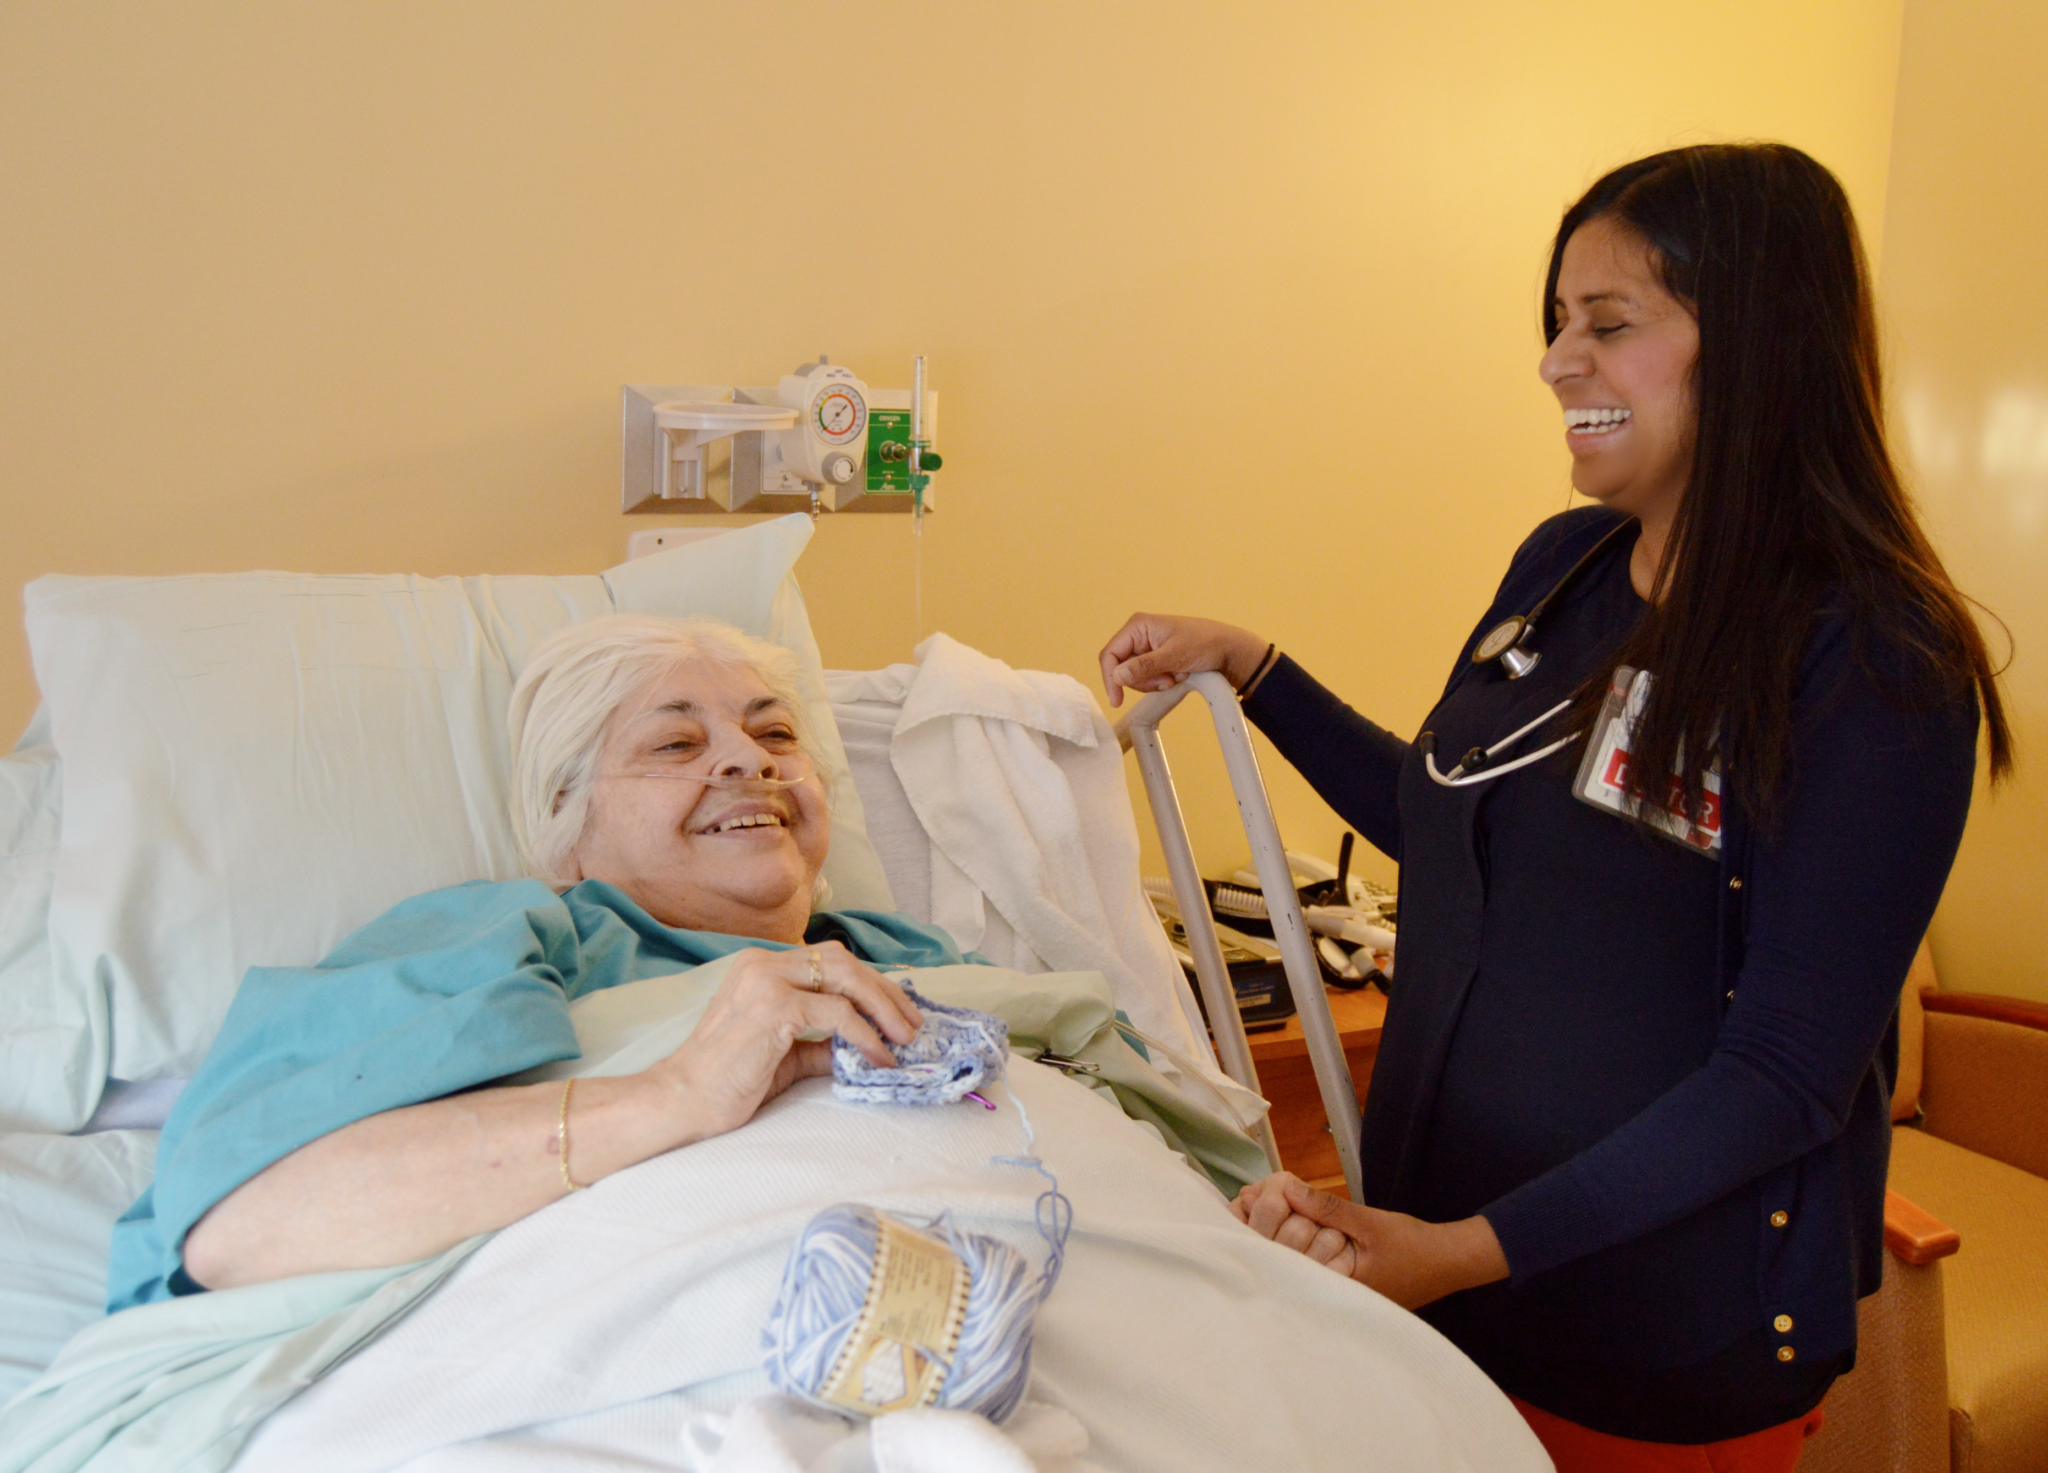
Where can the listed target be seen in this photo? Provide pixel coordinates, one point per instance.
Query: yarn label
(909, 1325)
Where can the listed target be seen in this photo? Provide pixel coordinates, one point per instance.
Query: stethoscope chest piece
(1502, 643)
(1507, 643)
(1499, 639)
(1508, 640)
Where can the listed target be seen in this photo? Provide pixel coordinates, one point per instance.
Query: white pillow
(256, 764)
(49, 1064)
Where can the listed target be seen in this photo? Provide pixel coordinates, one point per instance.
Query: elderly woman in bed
(668, 796)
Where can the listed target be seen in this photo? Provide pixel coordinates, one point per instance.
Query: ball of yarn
(825, 1287)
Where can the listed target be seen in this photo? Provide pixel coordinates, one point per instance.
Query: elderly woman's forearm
(410, 1183)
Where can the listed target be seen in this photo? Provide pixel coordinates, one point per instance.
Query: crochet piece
(952, 1054)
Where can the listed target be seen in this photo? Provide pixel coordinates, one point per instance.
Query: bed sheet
(46, 1058)
(594, 1333)
(59, 1196)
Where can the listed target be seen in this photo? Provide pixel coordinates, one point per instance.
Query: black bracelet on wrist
(1266, 662)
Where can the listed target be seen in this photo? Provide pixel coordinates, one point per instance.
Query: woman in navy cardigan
(1627, 1132)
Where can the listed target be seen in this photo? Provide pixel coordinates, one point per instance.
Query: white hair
(580, 678)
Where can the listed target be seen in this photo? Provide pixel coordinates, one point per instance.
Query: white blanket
(779, 1434)
(603, 1331)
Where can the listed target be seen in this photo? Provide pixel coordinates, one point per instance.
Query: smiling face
(1621, 366)
(735, 859)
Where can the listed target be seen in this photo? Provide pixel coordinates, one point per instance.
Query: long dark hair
(1793, 496)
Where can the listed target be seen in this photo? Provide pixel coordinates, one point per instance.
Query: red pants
(1577, 1449)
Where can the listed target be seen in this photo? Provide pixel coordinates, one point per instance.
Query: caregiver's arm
(408, 1183)
(1353, 765)
(1154, 651)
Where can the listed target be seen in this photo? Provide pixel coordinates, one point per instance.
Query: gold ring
(817, 982)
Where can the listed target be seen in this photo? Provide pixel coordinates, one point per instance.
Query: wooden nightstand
(1288, 1081)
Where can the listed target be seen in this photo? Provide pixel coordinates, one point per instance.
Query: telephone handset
(1352, 918)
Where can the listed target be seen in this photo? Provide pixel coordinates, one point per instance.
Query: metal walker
(1138, 731)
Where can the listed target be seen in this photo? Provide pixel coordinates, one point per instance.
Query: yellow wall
(1967, 307)
(1232, 307)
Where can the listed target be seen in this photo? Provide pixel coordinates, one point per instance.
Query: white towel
(1019, 784)
(779, 1434)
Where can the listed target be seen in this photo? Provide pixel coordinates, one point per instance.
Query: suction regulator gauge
(840, 414)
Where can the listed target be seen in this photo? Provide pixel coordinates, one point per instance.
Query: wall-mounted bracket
(678, 456)
(688, 426)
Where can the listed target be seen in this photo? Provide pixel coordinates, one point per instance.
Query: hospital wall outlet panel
(746, 473)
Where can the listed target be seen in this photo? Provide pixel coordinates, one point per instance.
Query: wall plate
(649, 540)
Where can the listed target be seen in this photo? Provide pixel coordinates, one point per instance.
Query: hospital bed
(239, 770)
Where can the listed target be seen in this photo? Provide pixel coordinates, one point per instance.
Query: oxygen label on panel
(888, 460)
(1604, 773)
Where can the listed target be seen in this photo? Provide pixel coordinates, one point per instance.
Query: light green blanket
(181, 1385)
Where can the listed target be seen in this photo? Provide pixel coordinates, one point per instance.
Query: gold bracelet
(562, 1131)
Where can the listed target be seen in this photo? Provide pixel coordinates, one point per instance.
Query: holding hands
(1410, 1261)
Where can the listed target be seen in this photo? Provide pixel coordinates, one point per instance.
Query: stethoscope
(1508, 642)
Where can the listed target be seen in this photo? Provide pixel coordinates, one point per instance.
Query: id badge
(1603, 772)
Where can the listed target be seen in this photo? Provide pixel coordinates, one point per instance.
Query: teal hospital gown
(444, 992)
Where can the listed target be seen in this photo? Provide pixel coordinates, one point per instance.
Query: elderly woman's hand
(1410, 1261)
(762, 1030)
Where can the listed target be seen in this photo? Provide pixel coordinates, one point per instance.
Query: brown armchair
(1969, 1337)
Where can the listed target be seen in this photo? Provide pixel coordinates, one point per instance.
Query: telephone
(1352, 918)
(1258, 978)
